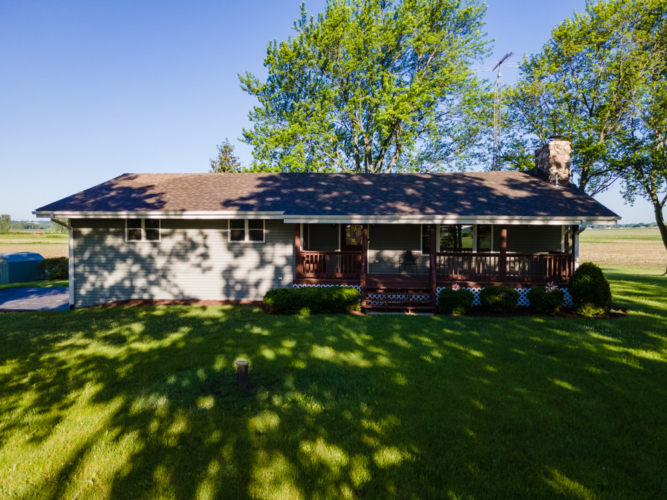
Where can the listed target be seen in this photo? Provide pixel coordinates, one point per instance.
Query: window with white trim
(143, 229)
(247, 230)
(484, 233)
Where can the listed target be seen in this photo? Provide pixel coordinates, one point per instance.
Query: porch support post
(432, 255)
(298, 262)
(502, 260)
(364, 262)
(574, 249)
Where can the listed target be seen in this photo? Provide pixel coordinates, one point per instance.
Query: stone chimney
(553, 161)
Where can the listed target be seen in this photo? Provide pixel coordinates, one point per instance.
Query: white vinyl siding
(193, 261)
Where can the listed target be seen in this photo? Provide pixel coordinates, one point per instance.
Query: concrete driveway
(34, 299)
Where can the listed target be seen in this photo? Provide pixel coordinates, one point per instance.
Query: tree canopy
(583, 86)
(372, 86)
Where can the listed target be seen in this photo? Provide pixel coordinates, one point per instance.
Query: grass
(142, 403)
(635, 248)
(37, 284)
(48, 245)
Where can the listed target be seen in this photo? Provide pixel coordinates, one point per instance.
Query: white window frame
(246, 232)
(143, 231)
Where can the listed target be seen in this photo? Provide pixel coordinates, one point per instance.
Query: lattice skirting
(373, 299)
(523, 296)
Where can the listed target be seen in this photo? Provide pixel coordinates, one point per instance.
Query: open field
(624, 248)
(47, 245)
(142, 403)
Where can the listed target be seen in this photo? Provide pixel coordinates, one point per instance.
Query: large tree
(641, 155)
(582, 86)
(372, 86)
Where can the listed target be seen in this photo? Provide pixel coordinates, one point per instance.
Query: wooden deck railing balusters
(488, 267)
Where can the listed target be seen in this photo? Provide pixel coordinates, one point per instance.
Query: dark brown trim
(326, 281)
(150, 302)
(511, 284)
(575, 228)
(364, 260)
(502, 260)
(298, 265)
(432, 261)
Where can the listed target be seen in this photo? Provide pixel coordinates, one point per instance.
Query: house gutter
(61, 223)
(336, 219)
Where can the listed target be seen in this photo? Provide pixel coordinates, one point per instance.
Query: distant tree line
(624, 226)
(7, 225)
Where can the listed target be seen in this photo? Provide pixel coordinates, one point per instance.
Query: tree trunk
(660, 220)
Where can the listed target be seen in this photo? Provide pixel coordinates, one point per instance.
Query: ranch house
(398, 238)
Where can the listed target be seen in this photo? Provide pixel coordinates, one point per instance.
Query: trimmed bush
(543, 302)
(312, 300)
(56, 268)
(455, 301)
(499, 299)
(590, 291)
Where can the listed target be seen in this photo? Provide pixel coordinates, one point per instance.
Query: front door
(351, 237)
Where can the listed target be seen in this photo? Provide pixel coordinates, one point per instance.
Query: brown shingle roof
(457, 194)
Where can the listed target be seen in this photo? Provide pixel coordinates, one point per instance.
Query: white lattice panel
(374, 299)
(523, 296)
(568, 298)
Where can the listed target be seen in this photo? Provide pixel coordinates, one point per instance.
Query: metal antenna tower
(497, 108)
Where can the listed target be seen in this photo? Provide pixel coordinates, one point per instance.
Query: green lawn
(39, 284)
(142, 403)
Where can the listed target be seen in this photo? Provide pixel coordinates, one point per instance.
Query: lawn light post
(242, 373)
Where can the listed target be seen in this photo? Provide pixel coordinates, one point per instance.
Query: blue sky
(91, 90)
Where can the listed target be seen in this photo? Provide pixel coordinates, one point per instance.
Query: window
(354, 234)
(426, 240)
(246, 230)
(456, 238)
(484, 238)
(142, 229)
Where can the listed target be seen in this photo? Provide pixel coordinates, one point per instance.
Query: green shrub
(455, 301)
(590, 290)
(312, 300)
(543, 302)
(499, 299)
(55, 269)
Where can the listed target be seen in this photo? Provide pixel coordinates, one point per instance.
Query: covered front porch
(397, 258)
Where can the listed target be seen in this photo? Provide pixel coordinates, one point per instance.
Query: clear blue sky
(91, 90)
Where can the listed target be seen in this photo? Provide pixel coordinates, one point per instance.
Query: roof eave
(338, 219)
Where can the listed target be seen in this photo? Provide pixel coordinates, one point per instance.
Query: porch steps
(397, 299)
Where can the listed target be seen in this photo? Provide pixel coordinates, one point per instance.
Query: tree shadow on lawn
(143, 403)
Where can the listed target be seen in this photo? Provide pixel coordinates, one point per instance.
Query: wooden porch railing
(325, 265)
(465, 266)
(450, 266)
